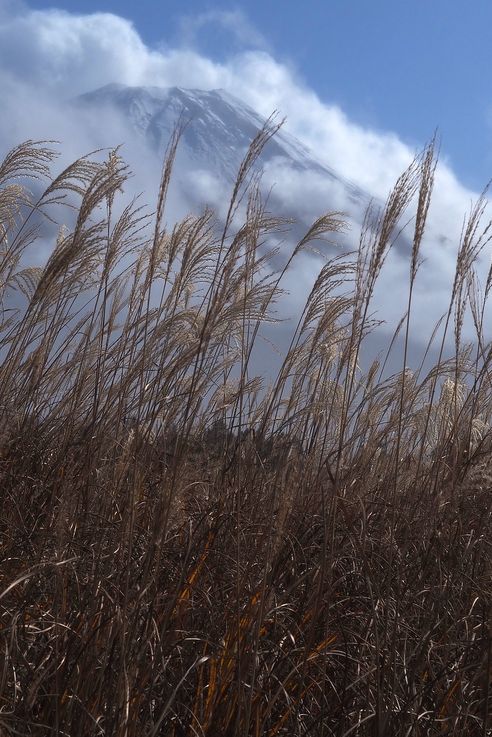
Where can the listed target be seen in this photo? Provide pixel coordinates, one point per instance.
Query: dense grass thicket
(189, 549)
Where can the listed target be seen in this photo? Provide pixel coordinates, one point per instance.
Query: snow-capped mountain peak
(219, 129)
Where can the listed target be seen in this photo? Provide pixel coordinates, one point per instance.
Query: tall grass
(190, 549)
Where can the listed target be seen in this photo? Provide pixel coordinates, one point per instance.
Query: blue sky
(391, 66)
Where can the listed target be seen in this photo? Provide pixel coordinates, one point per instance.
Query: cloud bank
(47, 57)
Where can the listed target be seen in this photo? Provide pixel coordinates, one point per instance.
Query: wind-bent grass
(187, 551)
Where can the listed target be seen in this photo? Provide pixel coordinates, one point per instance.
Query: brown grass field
(190, 550)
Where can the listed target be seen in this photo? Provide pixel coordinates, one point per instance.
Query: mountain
(218, 132)
(219, 128)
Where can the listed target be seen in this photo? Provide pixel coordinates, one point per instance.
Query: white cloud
(68, 54)
(49, 56)
(234, 23)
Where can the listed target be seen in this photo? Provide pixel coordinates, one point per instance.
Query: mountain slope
(219, 129)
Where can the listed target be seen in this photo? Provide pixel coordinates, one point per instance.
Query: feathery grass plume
(189, 548)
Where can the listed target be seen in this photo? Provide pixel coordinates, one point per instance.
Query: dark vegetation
(188, 550)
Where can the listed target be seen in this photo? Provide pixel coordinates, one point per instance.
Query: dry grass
(185, 551)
